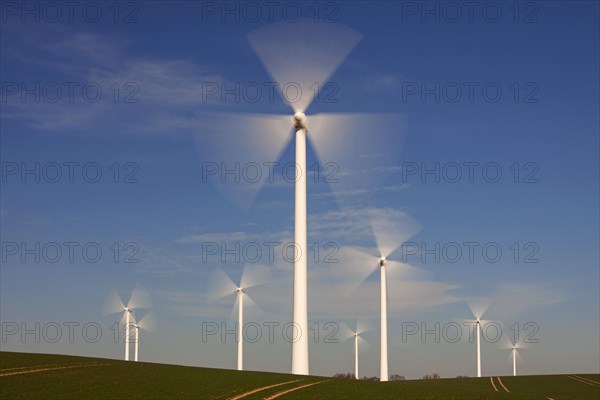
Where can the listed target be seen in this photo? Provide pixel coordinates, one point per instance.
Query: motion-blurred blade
(363, 326)
(354, 266)
(251, 306)
(238, 152)
(478, 306)
(509, 358)
(522, 345)
(140, 298)
(363, 345)
(507, 343)
(357, 152)
(391, 228)
(251, 309)
(255, 275)
(345, 332)
(148, 322)
(302, 55)
(519, 357)
(113, 304)
(220, 285)
(398, 271)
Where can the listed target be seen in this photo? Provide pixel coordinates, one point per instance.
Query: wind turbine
(147, 323)
(391, 228)
(478, 307)
(303, 55)
(356, 335)
(221, 286)
(514, 351)
(114, 304)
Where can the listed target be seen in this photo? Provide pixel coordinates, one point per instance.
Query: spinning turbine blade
(140, 298)
(391, 229)
(478, 306)
(402, 273)
(255, 275)
(148, 322)
(345, 332)
(358, 152)
(354, 267)
(220, 285)
(238, 151)
(507, 344)
(251, 308)
(302, 55)
(363, 327)
(114, 304)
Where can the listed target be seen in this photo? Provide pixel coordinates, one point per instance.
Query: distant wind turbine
(221, 286)
(114, 304)
(356, 335)
(478, 307)
(514, 352)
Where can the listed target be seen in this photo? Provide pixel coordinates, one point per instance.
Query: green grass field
(45, 376)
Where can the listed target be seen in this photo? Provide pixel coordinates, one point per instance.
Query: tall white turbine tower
(301, 57)
(128, 333)
(240, 349)
(114, 304)
(356, 356)
(383, 360)
(478, 323)
(147, 323)
(300, 312)
(514, 354)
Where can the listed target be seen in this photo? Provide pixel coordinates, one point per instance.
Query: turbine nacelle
(382, 261)
(240, 290)
(299, 119)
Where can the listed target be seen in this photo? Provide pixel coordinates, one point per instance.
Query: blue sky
(160, 205)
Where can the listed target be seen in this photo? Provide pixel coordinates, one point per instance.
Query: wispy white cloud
(512, 299)
(381, 81)
(34, 221)
(168, 92)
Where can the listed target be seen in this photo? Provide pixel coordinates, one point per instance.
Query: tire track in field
(260, 389)
(504, 387)
(29, 367)
(493, 385)
(279, 394)
(500, 383)
(31, 371)
(593, 382)
(584, 380)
